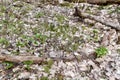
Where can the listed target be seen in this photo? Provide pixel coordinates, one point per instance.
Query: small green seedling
(60, 18)
(48, 66)
(4, 41)
(46, 69)
(40, 14)
(41, 37)
(8, 64)
(20, 44)
(95, 37)
(44, 78)
(28, 63)
(101, 51)
(118, 50)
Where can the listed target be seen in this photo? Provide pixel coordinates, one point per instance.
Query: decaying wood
(96, 18)
(20, 59)
(96, 1)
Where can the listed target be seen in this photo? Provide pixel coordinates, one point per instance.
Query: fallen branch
(96, 18)
(96, 1)
(20, 59)
(35, 59)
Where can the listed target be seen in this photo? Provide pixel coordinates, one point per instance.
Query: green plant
(115, 10)
(60, 18)
(48, 66)
(44, 78)
(16, 52)
(101, 7)
(74, 46)
(118, 50)
(50, 63)
(4, 41)
(20, 44)
(41, 37)
(74, 30)
(46, 69)
(40, 14)
(101, 51)
(95, 35)
(28, 63)
(51, 27)
(95, 31)
(8, 64)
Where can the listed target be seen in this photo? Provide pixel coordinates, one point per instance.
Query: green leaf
(41, 37)
(50, 63)
(20, 44)
(40, 14)
(8, 64)
(101, 51)
(46, 69)
(28, 63)
(4, 41)
(44, 78)
(60, 18)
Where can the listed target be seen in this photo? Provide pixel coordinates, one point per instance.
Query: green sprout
(28, 63)
(41, 37)
(48, 66)
(4, 41)
(95, 37)
(46, 69)
(8, 64)
(101, 51)
(20, 44)
(44, 78)
(40, 14)
(60, 18)
(118, 50)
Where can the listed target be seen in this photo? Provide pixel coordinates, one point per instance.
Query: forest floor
(74, 48)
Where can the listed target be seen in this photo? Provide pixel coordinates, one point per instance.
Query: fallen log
(96, 1)
(34, 59)
(19, 59)
(37, 60)
(96, 18)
